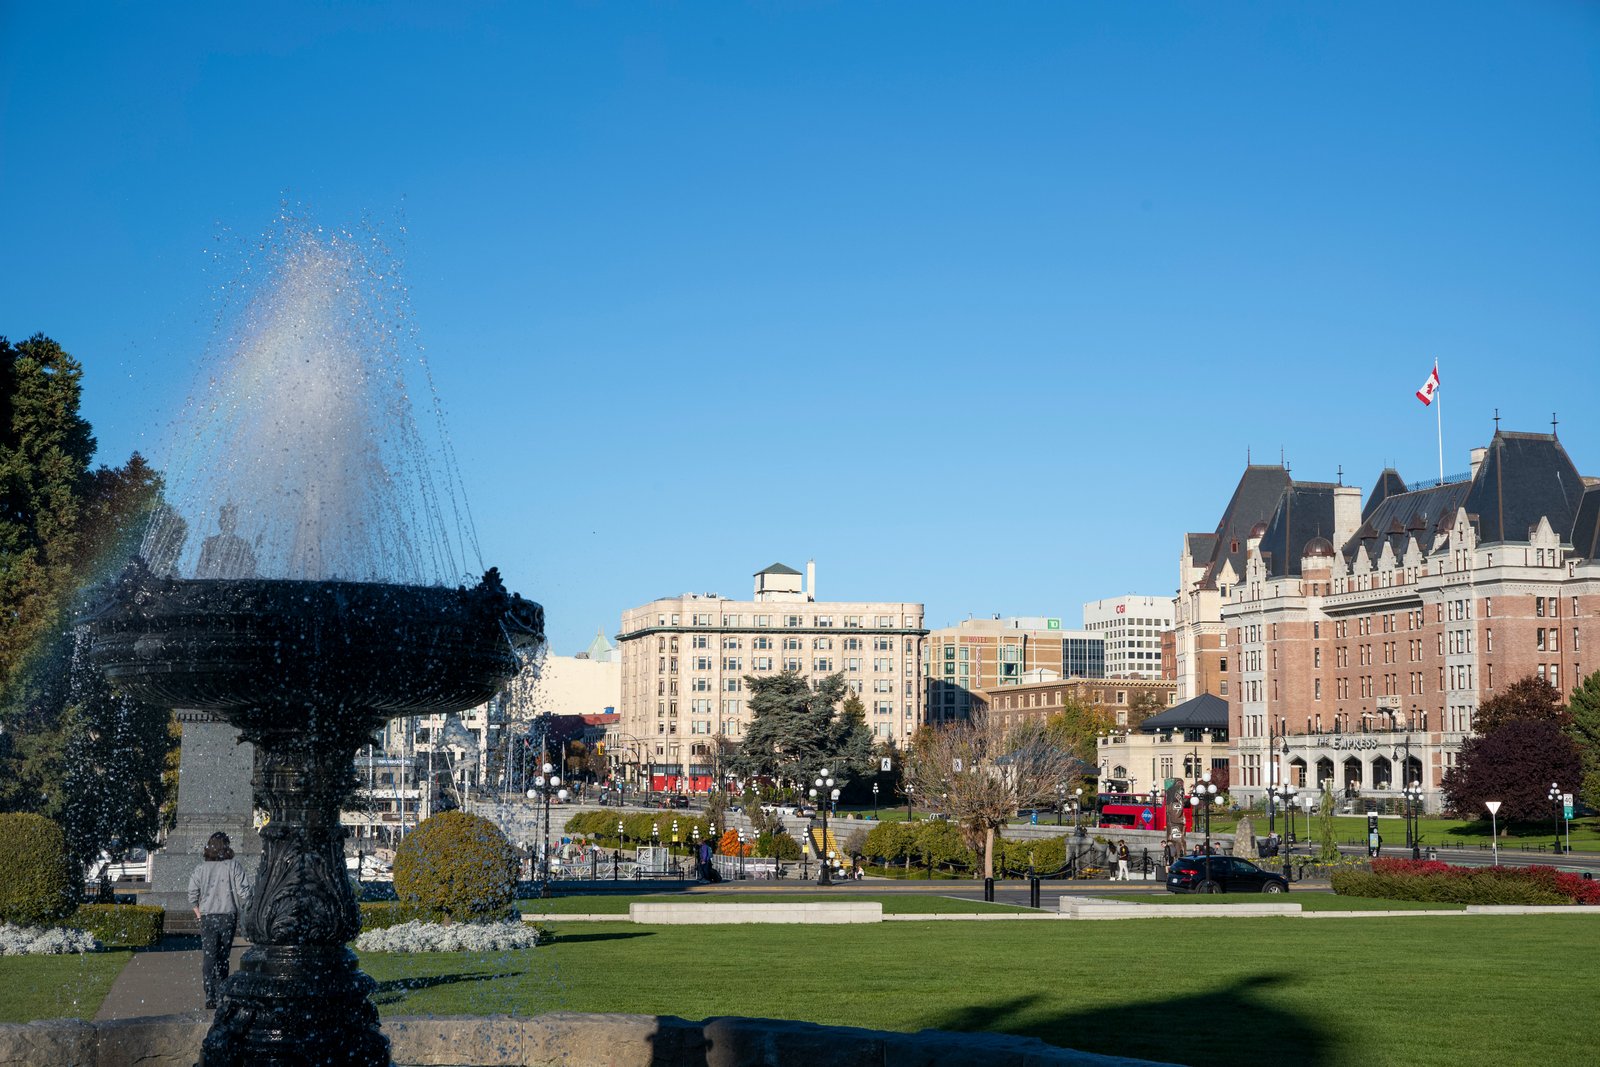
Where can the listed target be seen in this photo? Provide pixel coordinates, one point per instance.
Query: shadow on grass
(621, 935)
(395, 990)
(1210, 1029)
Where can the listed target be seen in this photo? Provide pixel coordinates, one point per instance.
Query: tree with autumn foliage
(1526, 699)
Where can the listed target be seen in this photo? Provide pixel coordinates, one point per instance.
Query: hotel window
(791, 664)
(822, 644)
(1555, 676)
(701, 685)
(885, 620)
(732, 685)
(852, 622)
(1488, 640)
(1316, 689)
(791, 620)
(731, 663)
(763, 620)
(700, 641)
(761, 663)
(730, 620)
(1538, 607)
(823, 664)
(883, 707)
(761, 644)
(702, 663)
(792, 644)
(702, 620)
(852, 663)
(1538, 640)
(730, 642)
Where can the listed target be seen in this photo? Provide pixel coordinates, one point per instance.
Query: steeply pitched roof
(1204, 712)
(1389, 484)
(1304, 511)
(1200, 546)
(1524, 477)
(1586, 527)
(1254, 499)
(1398, 516)
(778, 568)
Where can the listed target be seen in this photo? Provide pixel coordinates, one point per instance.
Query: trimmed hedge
(120, 925)
(601, 827)
(458, 864)
(1429, 880)
(37, 884)
(381, 914)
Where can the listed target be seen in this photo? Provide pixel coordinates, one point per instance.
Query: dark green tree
(1584, 708)
(71, 749)
(794, 730)
(45, 449)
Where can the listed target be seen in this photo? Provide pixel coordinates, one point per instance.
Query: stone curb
(567, 1039)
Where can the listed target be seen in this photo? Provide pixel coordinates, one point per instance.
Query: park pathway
(162, 980)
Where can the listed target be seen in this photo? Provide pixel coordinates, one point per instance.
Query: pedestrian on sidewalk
(1122, 862)
(218, 890)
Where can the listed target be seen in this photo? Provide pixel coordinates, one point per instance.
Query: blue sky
(976, 304)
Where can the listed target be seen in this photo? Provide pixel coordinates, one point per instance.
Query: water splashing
(299, 455)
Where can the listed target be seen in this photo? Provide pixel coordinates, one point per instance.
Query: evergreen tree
(1584, 708)
(71, 749)
(794, 730)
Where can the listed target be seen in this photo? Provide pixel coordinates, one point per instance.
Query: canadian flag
(1431, 386)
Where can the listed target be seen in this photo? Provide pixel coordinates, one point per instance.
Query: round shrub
(457, 864)
(37, 887)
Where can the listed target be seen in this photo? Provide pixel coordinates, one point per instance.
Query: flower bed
(44, 941)
(417, 936)
(1430, 880)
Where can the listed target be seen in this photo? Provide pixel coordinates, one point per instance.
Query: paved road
(163, 980)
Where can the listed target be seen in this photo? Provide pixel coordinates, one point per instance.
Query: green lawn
(1307, 901)
(1489, 989)
(893, 903)
(56, 987)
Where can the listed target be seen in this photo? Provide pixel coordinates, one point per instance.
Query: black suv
(1228, 875)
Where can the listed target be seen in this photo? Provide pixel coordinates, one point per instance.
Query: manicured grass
(893, 903)
(56, 987)
(1489, 989)
(1307, 901)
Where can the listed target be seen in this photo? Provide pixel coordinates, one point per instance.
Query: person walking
(1122, 862)
(219, 891)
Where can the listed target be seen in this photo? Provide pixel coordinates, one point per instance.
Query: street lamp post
(874, 800)
(741, 855)
(1204, 797)
(1413, 795)
(546, 786)
(1284, 794)
(908, 802)
(673, 851)
(1555, 799)
(820, 795)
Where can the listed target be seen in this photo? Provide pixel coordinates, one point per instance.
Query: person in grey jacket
(219, 891)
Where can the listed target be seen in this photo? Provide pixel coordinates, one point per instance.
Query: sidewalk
(164, 980)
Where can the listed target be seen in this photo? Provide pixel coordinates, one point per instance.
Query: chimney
(1346, 515)
(811, 579)
(1477, 460)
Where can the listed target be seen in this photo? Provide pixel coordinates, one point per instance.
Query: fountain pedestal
(299, 997)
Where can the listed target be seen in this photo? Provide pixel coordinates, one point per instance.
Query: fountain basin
(257, 651)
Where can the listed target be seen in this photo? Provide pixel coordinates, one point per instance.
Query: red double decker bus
(1128, 811)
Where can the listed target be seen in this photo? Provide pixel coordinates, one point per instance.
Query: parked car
(1228, 874)
(677, 800)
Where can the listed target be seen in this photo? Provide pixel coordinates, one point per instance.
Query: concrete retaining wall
(562, 1039)
(1089, 908)
(798, 912)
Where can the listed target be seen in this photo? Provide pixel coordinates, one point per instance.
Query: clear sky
(976, 304)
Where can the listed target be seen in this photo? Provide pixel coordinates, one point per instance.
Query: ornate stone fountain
(321, 609)
(307, 671)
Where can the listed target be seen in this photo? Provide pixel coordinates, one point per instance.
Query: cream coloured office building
(685, 658)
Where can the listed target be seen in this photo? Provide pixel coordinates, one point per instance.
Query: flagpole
(1438, 412)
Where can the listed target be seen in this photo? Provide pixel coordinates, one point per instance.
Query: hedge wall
(1429, 880)
(37, 883)
(120, 925)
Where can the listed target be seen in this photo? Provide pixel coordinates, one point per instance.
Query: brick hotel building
(1355, 640)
